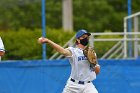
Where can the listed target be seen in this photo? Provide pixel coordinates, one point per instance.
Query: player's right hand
(43, 40)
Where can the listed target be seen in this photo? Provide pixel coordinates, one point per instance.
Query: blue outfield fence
(37, 76)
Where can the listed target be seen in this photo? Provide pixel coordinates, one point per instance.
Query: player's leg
(90, 88)
(72, 87)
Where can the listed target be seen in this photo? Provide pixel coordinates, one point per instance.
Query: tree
(93, 15)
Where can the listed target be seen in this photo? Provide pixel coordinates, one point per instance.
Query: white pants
(73, 87)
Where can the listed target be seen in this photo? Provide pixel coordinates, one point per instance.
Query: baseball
(40, 39)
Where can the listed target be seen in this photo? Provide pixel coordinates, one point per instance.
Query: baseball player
(2, 50)
(82, 74)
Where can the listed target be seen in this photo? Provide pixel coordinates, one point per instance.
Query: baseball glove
(90, 53)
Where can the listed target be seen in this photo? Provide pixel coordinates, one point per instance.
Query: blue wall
(36, 76)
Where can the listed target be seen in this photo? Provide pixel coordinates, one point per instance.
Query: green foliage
(93, 15)
(20, 23)
(58, 36)
(19, 13)
(22, 44)
(54, 13)
(103, 46)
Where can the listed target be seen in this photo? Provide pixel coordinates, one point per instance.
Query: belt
(80, 82)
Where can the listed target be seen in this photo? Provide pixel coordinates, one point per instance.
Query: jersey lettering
(82, 58)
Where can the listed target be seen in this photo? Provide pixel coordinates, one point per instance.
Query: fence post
(136, 37)
(43, 29)
(125, 37)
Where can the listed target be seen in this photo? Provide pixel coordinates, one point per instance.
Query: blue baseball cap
(82, 32)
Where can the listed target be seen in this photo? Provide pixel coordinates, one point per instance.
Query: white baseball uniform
(82, 75)
(1, 47)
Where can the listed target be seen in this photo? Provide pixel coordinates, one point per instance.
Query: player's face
(84, 36)
(84, 39)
